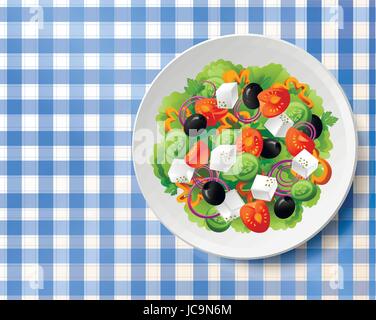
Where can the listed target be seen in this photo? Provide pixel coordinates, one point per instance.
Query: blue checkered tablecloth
(73, 223)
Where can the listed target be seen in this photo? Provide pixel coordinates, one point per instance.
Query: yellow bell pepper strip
(184, 195)
(170, 112)
(224, 121)
(327, 170)
(232, 76)
(297, 85)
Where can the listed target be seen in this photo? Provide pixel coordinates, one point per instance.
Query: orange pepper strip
(232, 76)
(170, 118)
(184, 195)
(245, 74)
(170, 112)
(245, 114)
(297, 85)
(327, 174)
(239, 187)
(224, 121)
(296, 175)
(249, 197)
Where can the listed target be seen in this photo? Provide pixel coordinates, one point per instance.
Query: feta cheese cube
(264, 187)
(180, 172)
(223, 157)
(279, 125)
(227, 95)
(230, 208)
(304, 163)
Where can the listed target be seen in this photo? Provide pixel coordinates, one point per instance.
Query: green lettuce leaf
(174, 100)
(238, 225)
(324, 144)
(216, 69)
(317, 108)
(268, 75)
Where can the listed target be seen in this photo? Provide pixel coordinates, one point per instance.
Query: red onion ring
(281, 194)
(197, 181)
(277, 165)
(189, 199)
(282, 181)
(240, 118)
(186, 104)
(309, 126)
(213, 86)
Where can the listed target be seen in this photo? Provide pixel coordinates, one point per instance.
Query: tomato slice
(273, 101)
(198, 155)
(255, 216)
(297, 140)
(209, 109)
(250, 141)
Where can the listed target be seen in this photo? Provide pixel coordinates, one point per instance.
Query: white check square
(92, 30)
(122, 30)
(61, 60)
(61, 30)
(92, 61)
(30, 61)
(30, 91)
(61, 91)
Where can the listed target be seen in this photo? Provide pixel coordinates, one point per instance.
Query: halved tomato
(209, 109)
(255, 216)
(297, 140)
(198, 155)
(273, 101)
(250, 141)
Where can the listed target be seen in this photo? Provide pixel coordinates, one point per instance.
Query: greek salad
(244, 147)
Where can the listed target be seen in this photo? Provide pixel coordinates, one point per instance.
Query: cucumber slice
(246, 167)
(298, 112)
(218, 224)
(303, 190)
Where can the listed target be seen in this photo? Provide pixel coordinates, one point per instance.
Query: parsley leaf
(193, 87)
(328, 119)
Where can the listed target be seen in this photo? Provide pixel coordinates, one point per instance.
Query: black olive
(195, 124)
(250, 93)
(284, 207)
(213, 193)
(271, 148)
(317, 123)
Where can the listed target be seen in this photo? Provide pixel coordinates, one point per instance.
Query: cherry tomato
(209, 109)
(250, 141)
(273, 101)
(297, 140)
(255, 216)
(198, 155)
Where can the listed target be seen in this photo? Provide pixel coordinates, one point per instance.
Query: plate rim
(349, 109)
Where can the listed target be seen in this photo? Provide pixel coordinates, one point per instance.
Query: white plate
(257, 51)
